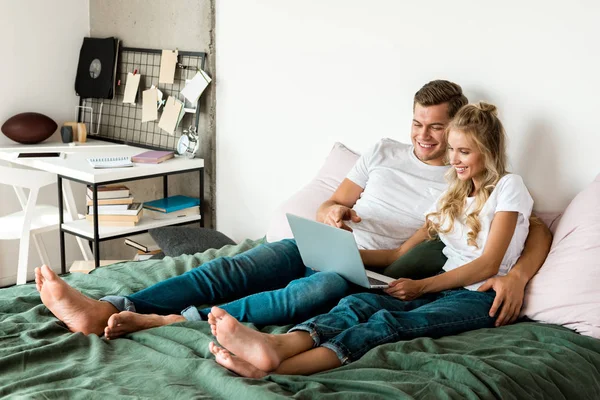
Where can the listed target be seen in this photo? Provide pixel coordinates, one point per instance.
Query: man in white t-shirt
(382, 200)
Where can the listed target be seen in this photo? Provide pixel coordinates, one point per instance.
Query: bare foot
(259, 349)
(128, 322)
(235, 364)
(78, 312)
(39, 279)
(212, 321)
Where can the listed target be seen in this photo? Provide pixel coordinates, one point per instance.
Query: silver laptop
(326, 248)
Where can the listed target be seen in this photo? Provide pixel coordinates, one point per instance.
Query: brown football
(29, 128)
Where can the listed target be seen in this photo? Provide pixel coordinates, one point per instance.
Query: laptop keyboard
(376, 282)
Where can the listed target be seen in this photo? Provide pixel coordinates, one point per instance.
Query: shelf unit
(85, 229)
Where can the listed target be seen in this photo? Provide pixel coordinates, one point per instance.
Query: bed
(40, 358)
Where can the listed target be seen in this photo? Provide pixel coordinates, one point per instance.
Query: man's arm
(383, 258)
(338, 208)
(510, 289)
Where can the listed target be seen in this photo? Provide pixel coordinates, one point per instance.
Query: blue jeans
(363, 321)
(257, 276)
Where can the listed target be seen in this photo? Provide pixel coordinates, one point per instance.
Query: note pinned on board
(170, 115)
(196, 86)
(168, 61)
(149, 105)
(131, 88)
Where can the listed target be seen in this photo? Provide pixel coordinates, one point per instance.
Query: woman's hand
(406, 289)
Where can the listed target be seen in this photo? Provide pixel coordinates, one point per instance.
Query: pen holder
(66, 133)
(81, 133)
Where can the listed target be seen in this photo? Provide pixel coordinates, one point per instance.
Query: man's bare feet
(259, 349)
(78, 312)
(235, 364)
(128, 322)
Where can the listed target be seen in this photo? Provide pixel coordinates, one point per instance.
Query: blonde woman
(482, 218)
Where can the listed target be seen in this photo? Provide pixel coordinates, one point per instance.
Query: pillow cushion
(307, 200)
(566, 290)
(176, 240)
(422, 261)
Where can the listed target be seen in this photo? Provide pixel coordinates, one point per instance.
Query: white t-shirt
(397, 189)
(510, 194)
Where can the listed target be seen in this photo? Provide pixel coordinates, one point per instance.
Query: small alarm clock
(188, 143)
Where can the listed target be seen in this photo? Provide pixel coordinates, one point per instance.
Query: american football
(29, 128)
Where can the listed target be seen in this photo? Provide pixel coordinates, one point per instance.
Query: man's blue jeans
(363, 321)
(259, 272)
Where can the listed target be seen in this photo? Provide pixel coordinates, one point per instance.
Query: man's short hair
(440, 92)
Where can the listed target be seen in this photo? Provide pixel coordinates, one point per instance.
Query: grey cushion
(176, 240)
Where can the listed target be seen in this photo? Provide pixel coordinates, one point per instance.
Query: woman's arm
(383, 258)
(484, 267)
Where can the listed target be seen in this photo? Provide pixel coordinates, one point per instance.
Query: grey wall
(166, 24)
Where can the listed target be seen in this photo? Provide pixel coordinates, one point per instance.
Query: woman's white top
(510, 194)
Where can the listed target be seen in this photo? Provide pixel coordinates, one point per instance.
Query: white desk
(75, 167)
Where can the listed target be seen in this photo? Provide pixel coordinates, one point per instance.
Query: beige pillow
(566, 290)
(307, 200)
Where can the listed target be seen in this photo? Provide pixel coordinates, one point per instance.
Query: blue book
(172, 203)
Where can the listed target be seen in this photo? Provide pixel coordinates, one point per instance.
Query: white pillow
(566, 290)
(307, 200)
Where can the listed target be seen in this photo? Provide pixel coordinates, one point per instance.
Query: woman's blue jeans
(363, 321)
(256, 277)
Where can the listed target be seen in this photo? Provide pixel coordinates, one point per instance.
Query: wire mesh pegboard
(114, 121)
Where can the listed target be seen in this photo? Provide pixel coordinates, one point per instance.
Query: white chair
(33, 220)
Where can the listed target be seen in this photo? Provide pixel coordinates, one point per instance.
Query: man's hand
(338, 214)
(510, 291)
(405, 289)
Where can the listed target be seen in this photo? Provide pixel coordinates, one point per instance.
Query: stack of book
(115, 206)
(144, 244)
(172, 207)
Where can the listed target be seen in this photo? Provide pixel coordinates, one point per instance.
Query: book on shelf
(142, 242)
(153, 252)
(115, 201)
(114, 223)
(118, 209)
(172, 203)
(142, 257)
(109, 192)
(115, 218)
(185, 212)
(152, 157)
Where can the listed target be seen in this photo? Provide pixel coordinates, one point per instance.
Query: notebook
(110, 162)
(325, 248)
(173, 203)
(152, 157)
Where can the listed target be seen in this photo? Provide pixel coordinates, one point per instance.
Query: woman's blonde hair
(478, 122)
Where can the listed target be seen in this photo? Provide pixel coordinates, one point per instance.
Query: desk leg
(61, 234)
(71, 208)
(201, 184)
(165, 186)
(96, 227)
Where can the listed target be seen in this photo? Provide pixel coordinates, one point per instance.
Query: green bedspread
(40, 358)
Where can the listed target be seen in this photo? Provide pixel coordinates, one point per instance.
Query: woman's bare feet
(235, 364)
(78, 312)
(128, 322)
(264, 351)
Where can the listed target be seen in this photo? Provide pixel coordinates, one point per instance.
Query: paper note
(196, 86)
(188, 106)
(170, 115)
(159, 98)
(167, 66)
(131, 88)
(149, 109)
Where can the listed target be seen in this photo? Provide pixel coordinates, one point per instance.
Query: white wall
(40, 49)
(295, 76)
